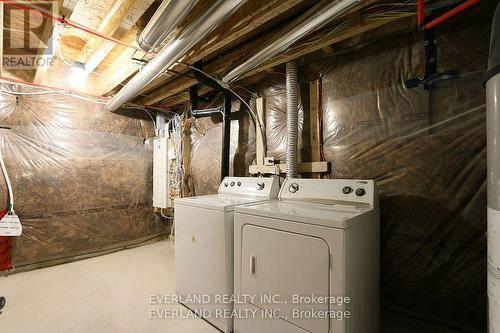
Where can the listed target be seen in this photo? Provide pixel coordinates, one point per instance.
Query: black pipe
(208, 81)
(225, 112)
(193, 97)
(226, 135)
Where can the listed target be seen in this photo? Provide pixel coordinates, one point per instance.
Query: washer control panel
(268, 187)
(326, 190)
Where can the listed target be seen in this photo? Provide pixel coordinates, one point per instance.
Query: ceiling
(253, 25)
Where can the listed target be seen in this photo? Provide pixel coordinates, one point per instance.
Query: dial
(347, 190)
(360, 192)
(226, 184)
(260, 186)
(294, 187)
(232, 184)
(239, 184)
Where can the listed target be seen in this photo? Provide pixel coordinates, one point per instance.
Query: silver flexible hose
(292, 120)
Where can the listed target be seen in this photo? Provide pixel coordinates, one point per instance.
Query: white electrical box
(160, 173)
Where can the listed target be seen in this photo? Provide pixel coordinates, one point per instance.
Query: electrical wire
(88, 98)
(251, 111)
(176, 172)
(134, 107)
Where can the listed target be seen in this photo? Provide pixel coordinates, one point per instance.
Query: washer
(320, 239)
(204, 246)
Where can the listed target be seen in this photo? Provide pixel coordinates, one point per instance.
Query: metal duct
(492, 79)
(292, 120)
(313, 20)
(175, 49)
(165, 19)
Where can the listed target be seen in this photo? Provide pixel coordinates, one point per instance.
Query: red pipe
(451, 13)
(420, 13)
(71, 24)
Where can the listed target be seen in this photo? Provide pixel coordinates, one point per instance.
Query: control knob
(360, 192)
(260, 186)
(347, 190)
(232, 184)
(294, 187)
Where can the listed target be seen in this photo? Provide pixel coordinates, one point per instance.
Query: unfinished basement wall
(82, 176)
(425, 149)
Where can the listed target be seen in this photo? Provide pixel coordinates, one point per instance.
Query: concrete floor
(112, 293)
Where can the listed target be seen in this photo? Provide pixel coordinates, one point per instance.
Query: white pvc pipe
(176, 49)
(315, 18)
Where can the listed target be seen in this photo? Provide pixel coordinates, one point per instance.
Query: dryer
(309, 262)
(204, 246)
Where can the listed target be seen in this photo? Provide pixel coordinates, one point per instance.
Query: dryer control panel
(330, 190)
(253, 186)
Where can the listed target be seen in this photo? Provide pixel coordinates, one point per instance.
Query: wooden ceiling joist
(356, 25)
(108, 26)
(255, 16)
(109, 64)
(114, 18)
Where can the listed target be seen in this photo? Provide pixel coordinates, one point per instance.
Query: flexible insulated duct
(311, 21)
(292, 120)
(168, 15)
(175, 49)
(492, 80)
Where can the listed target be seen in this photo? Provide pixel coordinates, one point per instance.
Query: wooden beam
(120, 22)
(253, 17)
(176, 86)
(304, 167)
(108, 26)
(335, 38)
(327, 49)
(259, 140)
(314, 122)
(215, 67)
(112, 64)
(119, 67)
(47, 33)
(66, 9)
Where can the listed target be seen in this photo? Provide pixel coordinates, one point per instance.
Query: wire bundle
(176, 170)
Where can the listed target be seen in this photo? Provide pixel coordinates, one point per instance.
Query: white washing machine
(204, 246)
(309, 262)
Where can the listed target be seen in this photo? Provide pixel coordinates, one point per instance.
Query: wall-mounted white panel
(160, 173)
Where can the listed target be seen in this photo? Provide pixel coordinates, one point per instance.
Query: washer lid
(218, 201)
(330, 215)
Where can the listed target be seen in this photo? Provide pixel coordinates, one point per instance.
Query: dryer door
(287, 265)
